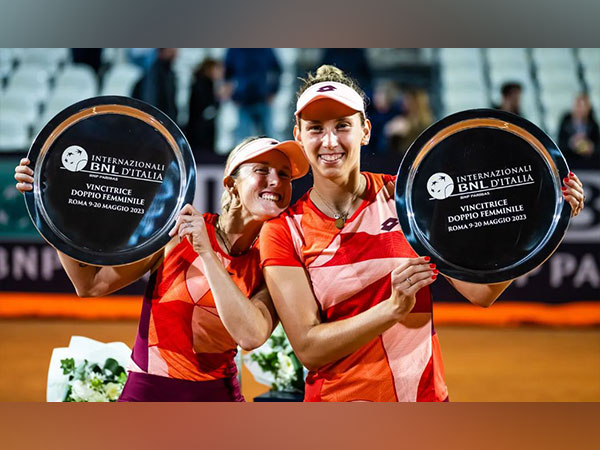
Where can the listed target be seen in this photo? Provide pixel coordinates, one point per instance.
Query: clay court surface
(481, 364)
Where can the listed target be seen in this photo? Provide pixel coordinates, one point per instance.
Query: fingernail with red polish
(436, 271)
(564, 188)
(571, 174)
(434, 277)
(565, 180)
(432, 266)
(427, 258)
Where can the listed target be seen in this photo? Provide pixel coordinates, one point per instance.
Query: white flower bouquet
(87, 371)
(275, 364)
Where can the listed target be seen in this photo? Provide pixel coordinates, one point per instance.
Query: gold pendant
(340, 222)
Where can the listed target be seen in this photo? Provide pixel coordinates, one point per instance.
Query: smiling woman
(206, 293)
(352, 295)
(265, 177)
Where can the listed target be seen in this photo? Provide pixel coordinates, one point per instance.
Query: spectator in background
(353, 61)
(403, 130)
(579, 136)
(90, 56)
(252, 76)
(384, 108)
(158, 86)
(142, 57)
(204, 103)
(511, 98)
(253, 80)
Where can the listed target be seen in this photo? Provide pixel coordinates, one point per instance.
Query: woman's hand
(573, 193)
(24, 176)
(410, 276)
(190, 223)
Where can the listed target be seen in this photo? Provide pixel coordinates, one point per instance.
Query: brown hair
(205, 66)
(331, 73)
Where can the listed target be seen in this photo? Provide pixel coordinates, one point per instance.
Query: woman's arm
(249, 321)
(486, 294)
(317, 343)
(91, 281)
(479, 294)
(96, 281)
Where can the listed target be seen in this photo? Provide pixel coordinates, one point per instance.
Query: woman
(206, 292)
(353, 297)
(579, 136)
(404, 130)
(204, 105)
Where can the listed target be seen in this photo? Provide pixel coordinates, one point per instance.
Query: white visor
(331, 90)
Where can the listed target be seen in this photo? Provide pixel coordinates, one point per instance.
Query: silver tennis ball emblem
(440, 185)
(74, 158)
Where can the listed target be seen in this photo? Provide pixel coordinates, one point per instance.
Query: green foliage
(92, 382)
(277, 358)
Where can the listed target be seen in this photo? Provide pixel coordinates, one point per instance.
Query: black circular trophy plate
(110, 176)
(480, 192)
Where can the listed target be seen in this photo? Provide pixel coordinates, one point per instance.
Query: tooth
(270, 197)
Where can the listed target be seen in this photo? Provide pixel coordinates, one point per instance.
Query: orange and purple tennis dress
(183, 351)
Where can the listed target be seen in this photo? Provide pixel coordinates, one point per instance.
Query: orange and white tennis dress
(183, 351)
(350, 271)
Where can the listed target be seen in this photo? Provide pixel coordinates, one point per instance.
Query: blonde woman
(206, 293)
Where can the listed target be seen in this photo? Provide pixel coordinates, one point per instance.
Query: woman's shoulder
(378, 181)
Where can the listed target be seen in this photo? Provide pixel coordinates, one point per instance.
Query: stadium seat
(552, 124)
(557, 102)
(563, 78)
(287, 57)
(508, 58)
(592, 78)
(283, 110)
(216, 53)
(456, 100)
(553, 57)
(78, 77)
(7, 63)
(31, 78)
(589, 57)
(20, 104)
(112, 55)
(461, 57)
(227, 120)
(120, 79)
(50, 58)
(182, 99)
(14, 134)
(462, 78)
(59, 100)
(595, 101)
(189, 57)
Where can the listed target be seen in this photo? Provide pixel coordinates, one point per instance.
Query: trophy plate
(110, 176)
(480, 193)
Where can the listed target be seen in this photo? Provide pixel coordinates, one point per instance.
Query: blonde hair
(328, 72)
(226, 198)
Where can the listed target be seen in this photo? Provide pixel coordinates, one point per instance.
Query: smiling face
(332, 135)
(264, 185)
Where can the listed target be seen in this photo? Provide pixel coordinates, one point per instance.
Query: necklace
(340, 217)
(223, 236)
(225, 240)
